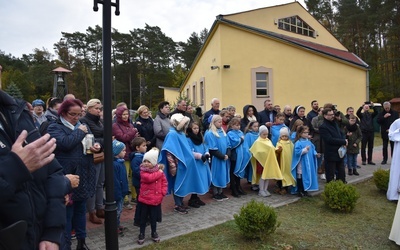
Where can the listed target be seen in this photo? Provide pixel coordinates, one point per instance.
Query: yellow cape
(285, 162)
(264, 152)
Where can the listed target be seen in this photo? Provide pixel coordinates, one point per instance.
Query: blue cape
(308, 163)
(219, 168)
(187, 179)
(249, 139)
(202, 167)
(243, 155)
(275, 133)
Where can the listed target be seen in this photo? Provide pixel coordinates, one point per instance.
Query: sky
(27, 25)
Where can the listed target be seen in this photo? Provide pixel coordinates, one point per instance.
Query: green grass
(307, 224)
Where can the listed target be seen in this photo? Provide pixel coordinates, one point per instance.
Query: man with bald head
(385, 119)
(287, 110)
(213, 111)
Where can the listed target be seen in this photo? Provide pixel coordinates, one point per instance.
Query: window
(294, 24)
(262, 84)
(187, 93)
(194, 99)
(201, 93)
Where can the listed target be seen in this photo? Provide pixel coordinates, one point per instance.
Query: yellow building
(280, 53)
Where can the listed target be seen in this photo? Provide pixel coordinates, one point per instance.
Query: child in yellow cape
(264, 160)
(284, 149)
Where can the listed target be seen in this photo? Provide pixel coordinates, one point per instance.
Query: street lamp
(60, 87)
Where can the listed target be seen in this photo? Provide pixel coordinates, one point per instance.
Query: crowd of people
(183, 153)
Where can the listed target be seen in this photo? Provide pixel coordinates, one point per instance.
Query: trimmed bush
(256, 220)
(381, 179)
(339, 196)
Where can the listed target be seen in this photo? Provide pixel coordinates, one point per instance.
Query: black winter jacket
(332, 139)
(95, 125)
(36, 198)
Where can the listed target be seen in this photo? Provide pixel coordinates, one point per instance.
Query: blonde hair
(141, 109)
(213, 128)
(92, 103)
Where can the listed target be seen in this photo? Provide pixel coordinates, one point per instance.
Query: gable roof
(318, 48)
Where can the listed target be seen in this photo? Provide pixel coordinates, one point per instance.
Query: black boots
(81, 245)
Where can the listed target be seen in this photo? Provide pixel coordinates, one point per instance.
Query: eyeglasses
(74, 114)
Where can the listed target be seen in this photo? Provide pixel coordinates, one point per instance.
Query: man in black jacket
(32, 184)
(385, 119)
(333, 139)
(366, 113)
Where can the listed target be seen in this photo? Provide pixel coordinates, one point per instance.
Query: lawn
(307, 224)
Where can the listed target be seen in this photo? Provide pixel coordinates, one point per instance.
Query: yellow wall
(264, 19)
(170, 95)
(299, 76)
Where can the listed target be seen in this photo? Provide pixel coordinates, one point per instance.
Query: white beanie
(262, 129)
(151, 156)
(284, 131)
(179, 121)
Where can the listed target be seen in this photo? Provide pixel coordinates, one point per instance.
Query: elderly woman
(76, 157)
(124, 131)
(161, 123)
(92, 119)
(144, 123)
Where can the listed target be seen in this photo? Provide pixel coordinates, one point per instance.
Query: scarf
(72, 127)
(252, 118)
(196, 139)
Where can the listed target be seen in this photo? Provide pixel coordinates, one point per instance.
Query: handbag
(342, 151)
(98, 157)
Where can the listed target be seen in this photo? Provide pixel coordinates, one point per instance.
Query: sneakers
(155, 237)
(127, 205)
(180, 209)
(355, 172)
(224, 197)
(322, 176)
(217, 197)
(262, 193)
(255, 187)
(200, 202)
(350, 172)
(140, 240)
(267, 193)
(120, 232)
(134, 200)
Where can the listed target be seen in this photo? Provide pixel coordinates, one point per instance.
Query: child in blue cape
(218, 146)
(251, 135)
(276, 127)
(304, 163)
(202, 156)
(240, 156)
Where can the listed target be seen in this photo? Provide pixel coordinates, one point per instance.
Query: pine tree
(13, 90)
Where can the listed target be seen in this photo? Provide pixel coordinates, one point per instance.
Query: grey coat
(161, 127)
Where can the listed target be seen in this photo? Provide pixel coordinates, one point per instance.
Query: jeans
(352, 161)
(120, 204)
(76, 215)
(178, 200)
(97, 200)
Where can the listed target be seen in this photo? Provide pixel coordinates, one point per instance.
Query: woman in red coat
(153, 187)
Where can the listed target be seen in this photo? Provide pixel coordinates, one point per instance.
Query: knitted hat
(117, 147)
(262, 129)
(179, 121)
(151, 156)
(284, 131)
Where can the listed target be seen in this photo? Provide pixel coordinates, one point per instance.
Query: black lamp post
(110, 205)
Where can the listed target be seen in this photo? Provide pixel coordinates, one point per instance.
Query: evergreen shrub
(256, 220)
(340, 197)
(381, 179)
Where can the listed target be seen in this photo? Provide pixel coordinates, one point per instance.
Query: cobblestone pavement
(212, 214)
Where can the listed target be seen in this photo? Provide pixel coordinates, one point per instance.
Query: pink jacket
(153, 186)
